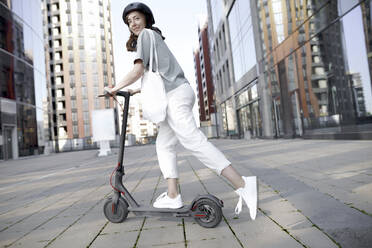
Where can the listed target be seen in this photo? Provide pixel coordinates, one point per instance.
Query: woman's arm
(131, 77)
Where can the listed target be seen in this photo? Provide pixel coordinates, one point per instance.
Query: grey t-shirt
(169, 68)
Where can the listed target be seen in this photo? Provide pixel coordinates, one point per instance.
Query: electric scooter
(205, 209)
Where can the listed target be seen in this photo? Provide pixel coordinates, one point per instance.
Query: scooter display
(205, 209)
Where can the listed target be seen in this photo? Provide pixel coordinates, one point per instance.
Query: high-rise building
(300, 68)
(22, 80)
(203, 75)
(79, 58)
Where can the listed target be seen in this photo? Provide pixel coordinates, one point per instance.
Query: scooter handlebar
(119, 93)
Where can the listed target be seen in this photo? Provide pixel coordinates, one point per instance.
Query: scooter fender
(207, 196)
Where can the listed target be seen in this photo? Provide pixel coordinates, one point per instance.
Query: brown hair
(132, 41)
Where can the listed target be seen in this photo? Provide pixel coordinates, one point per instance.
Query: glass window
(217, 10)
(74, 116)
(96, 103)
(242, 39)
(82, 68)
(85, 105)
(86, 129)
(84, 92)
(75, 130)
(86, 116)
(73, 91)
(7, 85)
(83, 79)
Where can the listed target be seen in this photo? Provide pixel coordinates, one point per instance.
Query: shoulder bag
(153, 95)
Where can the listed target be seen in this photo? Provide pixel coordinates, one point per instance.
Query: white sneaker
(249, 194)
(164, 201)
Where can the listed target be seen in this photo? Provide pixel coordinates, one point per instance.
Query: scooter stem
(126, 95)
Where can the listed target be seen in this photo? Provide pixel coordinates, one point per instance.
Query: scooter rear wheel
(213, 213)
(121, 210)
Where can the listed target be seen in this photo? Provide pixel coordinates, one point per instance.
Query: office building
(297, 68)
(22, 80)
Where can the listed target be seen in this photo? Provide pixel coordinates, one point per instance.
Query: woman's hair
(132, 41)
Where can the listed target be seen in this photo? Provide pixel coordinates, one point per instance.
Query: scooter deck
(184, 209)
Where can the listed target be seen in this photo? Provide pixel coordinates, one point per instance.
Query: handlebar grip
(123, 93)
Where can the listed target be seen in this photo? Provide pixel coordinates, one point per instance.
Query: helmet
(141, 7)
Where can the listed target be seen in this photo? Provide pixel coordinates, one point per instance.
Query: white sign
(103, 124)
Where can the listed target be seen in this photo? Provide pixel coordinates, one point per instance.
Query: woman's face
(136, 22)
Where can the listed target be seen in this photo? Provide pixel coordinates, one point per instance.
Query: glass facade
(249, 118)
(22, 79)
(317, 65)
(242, 39)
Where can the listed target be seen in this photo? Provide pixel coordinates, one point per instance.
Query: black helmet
(143, 8)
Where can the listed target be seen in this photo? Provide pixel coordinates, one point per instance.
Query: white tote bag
(153, 95)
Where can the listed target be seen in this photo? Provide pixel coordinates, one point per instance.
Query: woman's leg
(233, 176)
(166, 142)
(172, 187)
(181, 120)
(166, 150)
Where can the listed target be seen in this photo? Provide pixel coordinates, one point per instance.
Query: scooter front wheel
(116, 214)
(211, 213)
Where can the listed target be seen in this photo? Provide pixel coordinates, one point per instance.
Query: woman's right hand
(108, 90)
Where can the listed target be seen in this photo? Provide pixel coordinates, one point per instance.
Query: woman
(179, 125)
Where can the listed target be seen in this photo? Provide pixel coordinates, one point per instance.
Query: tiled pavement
(312, 193)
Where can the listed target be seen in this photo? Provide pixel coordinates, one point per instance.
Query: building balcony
(60, 86)
(56, 61)
(314, 42)
(317, 64)
(59, 73)
(54, 12)
(61, 111)
(62, 123)
(55, 49)
(313, 53)
(320, 90)
(54, 25)
(315, 77)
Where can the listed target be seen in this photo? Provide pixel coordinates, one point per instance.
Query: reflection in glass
(321, 76)
(242, 39)
(22, 73)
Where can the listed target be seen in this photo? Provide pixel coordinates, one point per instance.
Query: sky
(178, 21)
